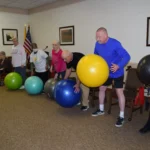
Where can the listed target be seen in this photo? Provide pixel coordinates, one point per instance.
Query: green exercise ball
(13, 81)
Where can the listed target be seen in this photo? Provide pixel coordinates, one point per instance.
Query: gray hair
(102, 29)
(3, 53)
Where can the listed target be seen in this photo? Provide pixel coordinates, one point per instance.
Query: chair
(131, 87)
(93, 95)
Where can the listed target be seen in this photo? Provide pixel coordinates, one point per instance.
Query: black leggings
(42, 75)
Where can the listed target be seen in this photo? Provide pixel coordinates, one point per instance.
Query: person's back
(76, 58)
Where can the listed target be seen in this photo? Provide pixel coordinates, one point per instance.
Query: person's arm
(78, 81)
(47, 63)
(32, 68)
(23, 57)
(45, 56)
(125, 57)
(68, 73)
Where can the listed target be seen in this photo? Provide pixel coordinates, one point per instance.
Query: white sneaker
(22, 87)
(79, 104)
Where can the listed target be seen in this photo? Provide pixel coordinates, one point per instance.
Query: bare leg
(121, 98)
(102, 90)
(100, 111)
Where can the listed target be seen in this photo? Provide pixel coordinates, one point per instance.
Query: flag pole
(25, 32)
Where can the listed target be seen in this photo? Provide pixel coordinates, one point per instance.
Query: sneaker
(145, 129)
(84, 108)
(22, 87)
(79, 104)
(119, 122)
(98, 112)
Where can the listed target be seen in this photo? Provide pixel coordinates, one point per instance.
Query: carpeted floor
(37, 123)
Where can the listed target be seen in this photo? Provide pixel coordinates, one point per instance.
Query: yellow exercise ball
(92, 70)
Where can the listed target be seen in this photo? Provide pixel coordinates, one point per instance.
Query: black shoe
(42, 92)
(145, 129)
(97, 113)
(84, 108)
(119, 122)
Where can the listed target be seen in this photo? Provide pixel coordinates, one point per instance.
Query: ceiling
(25, 4)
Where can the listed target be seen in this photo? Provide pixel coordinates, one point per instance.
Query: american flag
(28, 43)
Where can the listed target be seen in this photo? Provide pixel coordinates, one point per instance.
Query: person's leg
(44, 76)
(22, 72)
(102, 90)
(40, 75)
(118, 84)
(85, 96)
(63, 74)
(146, 127)
(58, 76)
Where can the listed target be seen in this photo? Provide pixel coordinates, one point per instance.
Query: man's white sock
(101, 107)
(121, 114)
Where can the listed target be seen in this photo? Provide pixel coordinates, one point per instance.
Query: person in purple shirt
(116, 57)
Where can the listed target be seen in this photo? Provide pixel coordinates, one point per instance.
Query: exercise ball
(65, 95)
(33, 85)
(49, 87)
(92, 70)
(13, 81)
(143, 70)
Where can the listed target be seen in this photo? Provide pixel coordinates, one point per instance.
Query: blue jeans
(22, 72)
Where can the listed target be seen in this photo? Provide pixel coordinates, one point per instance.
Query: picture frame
(8, 35)
(148, 32)
(66, 35)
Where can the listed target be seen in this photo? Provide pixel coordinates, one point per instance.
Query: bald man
(117, 58)
(58, 64)
(19, 59)
(72, 60)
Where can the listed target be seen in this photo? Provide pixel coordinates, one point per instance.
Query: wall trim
(13, 10)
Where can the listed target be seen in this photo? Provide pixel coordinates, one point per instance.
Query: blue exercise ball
(64, 93)
(34, 85)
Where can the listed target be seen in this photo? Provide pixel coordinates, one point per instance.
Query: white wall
(12, 21)
(124, 19)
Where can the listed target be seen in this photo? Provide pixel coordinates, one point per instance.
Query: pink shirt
(58, 63)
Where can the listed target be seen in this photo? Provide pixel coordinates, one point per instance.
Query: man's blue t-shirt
(113, 52)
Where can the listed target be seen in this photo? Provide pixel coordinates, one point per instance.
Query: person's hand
(114, 67)
(32, 73)
(56, 75)
(2, 69)
(22, 66)
(46, 67)
(77, 88)
(51, 69)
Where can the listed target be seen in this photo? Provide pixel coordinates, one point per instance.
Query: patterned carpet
(37, 123)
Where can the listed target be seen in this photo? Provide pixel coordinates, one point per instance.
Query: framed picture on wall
(66, 35)
(8, 35)
(148, 32)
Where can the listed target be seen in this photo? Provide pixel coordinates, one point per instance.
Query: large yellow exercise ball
(92, 70)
